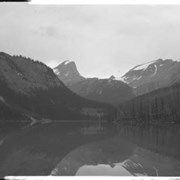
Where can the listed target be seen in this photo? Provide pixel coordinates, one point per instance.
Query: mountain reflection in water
(92, 149)
(103, 170)
(138, 150)
(38, 149)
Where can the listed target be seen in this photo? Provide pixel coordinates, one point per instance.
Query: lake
(85, 148)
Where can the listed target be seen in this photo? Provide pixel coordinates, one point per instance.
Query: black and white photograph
(89, 90)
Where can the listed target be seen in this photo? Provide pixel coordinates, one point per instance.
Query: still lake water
(91, 149)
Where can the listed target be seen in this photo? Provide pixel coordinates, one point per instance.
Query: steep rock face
(102, 90)
(67, 72)
(152, 75)
(33, 90)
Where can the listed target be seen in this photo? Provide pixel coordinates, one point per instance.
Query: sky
(103, 40)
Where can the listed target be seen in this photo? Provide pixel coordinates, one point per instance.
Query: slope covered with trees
(33, 90)
(162, 105)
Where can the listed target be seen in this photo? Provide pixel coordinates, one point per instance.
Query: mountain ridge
(152, 75)
(107, 90)
(30, 87)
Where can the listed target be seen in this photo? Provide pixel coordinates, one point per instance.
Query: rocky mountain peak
(108, 90)
(152, 75)
(68, 73)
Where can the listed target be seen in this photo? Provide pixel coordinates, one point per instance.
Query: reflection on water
(163, 139)
(140, 163)
(139, 150)
(92, 149)
(37, 150)
(103, 170)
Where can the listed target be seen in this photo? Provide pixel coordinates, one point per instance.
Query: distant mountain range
(30, 89)
(142, 79)
(103, 90)
(156, 85)
(150, 76)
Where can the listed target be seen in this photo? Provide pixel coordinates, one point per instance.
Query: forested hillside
(29, 88)
(162, 105)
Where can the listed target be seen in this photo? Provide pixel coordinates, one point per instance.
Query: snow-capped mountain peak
(153, 74)
(144, 66)
(146, 70)
(67, 72)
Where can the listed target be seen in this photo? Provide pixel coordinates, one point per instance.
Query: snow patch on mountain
(143, 67)
(56, 71)
(139, 78)
(67, 62)
(123, 79)
(155, 71)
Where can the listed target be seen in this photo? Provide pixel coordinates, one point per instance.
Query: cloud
(102, 39)
(49, 31)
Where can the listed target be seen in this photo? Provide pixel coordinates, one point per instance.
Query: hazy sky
(101, 39)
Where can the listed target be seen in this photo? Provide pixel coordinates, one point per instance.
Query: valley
(91, 127)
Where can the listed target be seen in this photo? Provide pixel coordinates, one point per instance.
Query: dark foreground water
(91, 149)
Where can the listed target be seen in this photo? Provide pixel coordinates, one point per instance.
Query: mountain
(147, 77)
(67, 72)
(31, 89)
(103, 90)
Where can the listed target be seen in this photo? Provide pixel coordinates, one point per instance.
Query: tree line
(162, 105)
